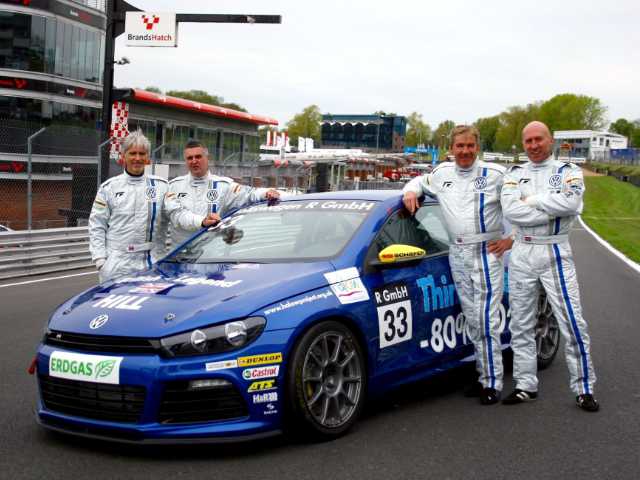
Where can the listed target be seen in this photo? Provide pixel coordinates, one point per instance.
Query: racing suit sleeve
(421, 185)
(98, 225)
(178, 214)
(567, 202)
(514, 209)
(238, 196)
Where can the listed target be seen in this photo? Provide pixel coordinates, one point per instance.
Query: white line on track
(608, 246)
(47, 279)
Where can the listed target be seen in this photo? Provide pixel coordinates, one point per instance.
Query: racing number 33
(395, 322)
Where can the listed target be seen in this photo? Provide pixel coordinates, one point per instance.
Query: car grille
(114, 403)
(101, 343)
(182, 405)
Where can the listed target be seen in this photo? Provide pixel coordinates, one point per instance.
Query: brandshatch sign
(147, 29)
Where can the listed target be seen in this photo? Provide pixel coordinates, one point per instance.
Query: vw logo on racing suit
(99, 321)
(480, 183)
(212, 195)
(150, 193)
(555, 181)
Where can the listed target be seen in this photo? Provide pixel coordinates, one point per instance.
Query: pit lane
(428, 430)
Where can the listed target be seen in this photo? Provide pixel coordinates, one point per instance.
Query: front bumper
(154, 376)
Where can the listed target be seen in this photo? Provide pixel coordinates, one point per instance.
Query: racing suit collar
(198, 180)
(467, 171)
(134, 178)
(542, 164)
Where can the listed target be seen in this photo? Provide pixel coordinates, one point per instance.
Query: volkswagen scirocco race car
(282, 316)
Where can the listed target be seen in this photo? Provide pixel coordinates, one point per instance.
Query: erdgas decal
(395, 319)
(121, 302)
(88, 368)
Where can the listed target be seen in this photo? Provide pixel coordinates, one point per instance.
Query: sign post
(154, 34)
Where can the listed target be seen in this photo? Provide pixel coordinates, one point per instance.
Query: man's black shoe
(520, 396)
(473, 390)
(587, 402)
(489, 396)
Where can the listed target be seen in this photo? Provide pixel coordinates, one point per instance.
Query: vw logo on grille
(99, 321)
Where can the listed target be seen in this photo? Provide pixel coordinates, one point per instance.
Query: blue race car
(282, 316)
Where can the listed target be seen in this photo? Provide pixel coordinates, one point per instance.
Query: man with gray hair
(199, 199)
(127, 229)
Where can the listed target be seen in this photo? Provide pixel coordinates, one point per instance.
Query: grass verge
(612, 210)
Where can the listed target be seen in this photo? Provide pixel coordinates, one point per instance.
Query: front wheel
(547, 333)
(326, 381)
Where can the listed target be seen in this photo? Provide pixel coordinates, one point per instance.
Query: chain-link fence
(48, 175)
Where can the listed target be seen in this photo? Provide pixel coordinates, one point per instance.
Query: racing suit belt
(138, 247)
(541, 239)
(468, 238)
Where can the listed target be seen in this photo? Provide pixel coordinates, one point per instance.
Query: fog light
(236, 333)
(208, 383)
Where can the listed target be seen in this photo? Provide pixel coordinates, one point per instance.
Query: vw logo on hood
(99, 321)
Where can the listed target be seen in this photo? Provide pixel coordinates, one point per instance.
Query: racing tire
(326, 383)
(547, 333)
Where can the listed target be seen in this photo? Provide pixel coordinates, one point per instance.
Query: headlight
(217, 339)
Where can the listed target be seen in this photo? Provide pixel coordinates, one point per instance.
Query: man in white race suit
(199, 199)
(543, 198)
(127, 230)
(469, 192)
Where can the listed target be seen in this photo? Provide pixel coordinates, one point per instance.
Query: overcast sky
(447, 59)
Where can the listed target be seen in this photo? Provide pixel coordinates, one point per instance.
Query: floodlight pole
(115, 11)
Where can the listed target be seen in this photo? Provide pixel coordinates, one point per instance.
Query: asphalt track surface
(428, 430)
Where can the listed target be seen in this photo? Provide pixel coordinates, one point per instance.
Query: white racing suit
(543, 200)
(190, 199)
(126, 226)
(470, 202)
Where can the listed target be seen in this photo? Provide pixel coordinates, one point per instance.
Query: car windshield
(293, 230)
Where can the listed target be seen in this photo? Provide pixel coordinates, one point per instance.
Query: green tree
(305, 124)
(488, 128)
(417, 130)
(623, 127)
(153, 90)
(573, 112)
(204, 97)
(442, 133)
(512, 121)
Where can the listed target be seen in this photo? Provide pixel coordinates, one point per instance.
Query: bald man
(543, 198)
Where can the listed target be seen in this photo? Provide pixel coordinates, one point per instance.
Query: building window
(48, 45)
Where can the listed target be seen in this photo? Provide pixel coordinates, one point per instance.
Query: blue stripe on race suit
(487, 324)
(556, 227)
(153, 221)
(574, 325)
(214, 206)
(483, 228)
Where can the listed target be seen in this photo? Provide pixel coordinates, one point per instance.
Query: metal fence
(623, 156)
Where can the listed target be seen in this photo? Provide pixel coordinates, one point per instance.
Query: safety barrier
(43, 251)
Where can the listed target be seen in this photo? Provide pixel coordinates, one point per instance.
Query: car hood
(173, 298)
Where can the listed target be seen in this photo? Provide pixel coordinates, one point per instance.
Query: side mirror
(397, 253)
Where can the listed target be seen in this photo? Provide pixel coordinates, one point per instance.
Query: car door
(412, 301)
